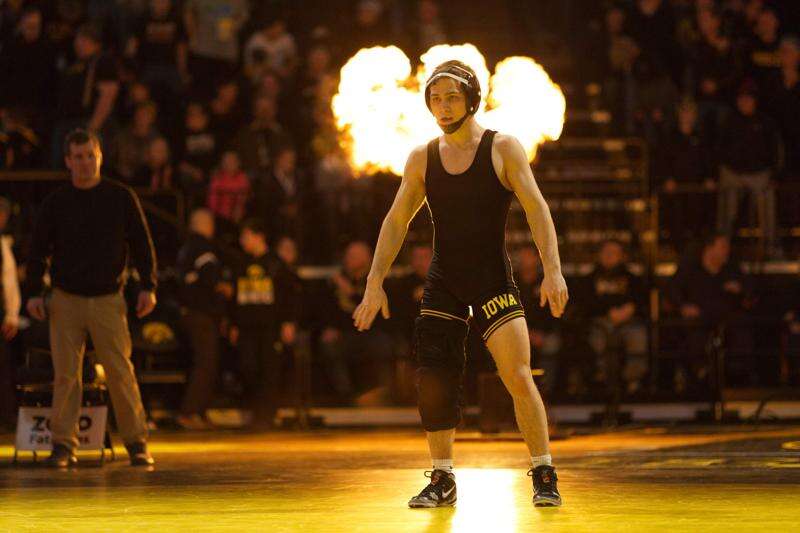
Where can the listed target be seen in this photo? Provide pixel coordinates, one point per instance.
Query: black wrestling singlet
(469, 212)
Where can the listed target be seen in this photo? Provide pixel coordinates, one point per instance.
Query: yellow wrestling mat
(711, 479)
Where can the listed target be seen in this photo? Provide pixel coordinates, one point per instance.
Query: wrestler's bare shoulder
(417, 162)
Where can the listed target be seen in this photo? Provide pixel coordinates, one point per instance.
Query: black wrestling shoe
(61, 457)
(440, 492)
(139, 455)
(545, 488)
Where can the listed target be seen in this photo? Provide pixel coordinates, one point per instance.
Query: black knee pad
(439, 345)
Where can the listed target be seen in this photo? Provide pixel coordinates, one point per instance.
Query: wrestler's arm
(519, 177)
(406, 203)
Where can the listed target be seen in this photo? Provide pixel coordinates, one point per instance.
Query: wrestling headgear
(464, 75)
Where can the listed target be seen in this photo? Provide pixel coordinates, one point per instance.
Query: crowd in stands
(714, 89)
(227, 103)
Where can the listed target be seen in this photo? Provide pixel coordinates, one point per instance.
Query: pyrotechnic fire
(381, 114)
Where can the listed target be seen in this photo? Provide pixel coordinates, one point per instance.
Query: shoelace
(430, 475)
(433, 485)
(539, 481)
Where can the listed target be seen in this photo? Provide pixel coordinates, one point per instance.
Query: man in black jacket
(202, 307)
(266, 306)
(86, 229)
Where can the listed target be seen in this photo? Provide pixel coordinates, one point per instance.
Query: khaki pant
(105, 319)
(732, 185)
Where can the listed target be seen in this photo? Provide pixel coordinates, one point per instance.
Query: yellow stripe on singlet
(502, 321)
(441, 314)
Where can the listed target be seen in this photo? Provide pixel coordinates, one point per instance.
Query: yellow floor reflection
(486, 501)
(361, 481)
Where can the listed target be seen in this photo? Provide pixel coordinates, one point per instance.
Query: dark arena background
(664, 135)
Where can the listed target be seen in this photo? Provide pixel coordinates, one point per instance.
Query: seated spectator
(316, 71)
(656, 98)
(270, 84)
(749, 153)
(87, 90)
(213, 30)
(544, 330)
(782, 101)
(287, 252)
(135, 92)
(735, 23)
(279, 198)
(257, 142)
(752, 11)
(619, 53)
(617, 311)
(61, 27)
(406, 295)
(225, 112)
(28, 59)
(202, 306)
(157, 174)
(713, 69)
(159, 46)
(710, 292)
(132, 142)
(762, 49)
(271, 47)
(346, 351)
(686, 159)
(20, 147)
(652, 24)
(229, 190)
(10, 14)
(428, 27)
(371, 29)
(198, 153)
(265, 311)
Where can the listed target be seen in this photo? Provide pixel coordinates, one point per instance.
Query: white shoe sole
(547, 502)
(430, 505)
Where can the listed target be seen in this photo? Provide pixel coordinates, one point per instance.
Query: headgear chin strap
(453, 126)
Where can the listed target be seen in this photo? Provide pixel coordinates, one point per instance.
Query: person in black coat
(202, 305)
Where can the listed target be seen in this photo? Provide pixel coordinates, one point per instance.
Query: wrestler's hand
(554, 290)
(373, 301)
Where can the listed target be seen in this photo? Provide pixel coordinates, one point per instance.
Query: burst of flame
(525, 103)
(381, 114)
